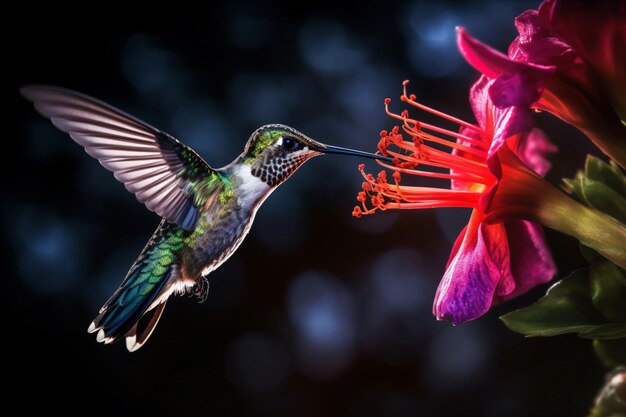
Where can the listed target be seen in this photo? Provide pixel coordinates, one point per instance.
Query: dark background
(318, 313)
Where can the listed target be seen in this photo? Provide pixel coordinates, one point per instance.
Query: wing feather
(156, 167)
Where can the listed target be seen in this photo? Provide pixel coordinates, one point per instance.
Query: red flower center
(432, 152)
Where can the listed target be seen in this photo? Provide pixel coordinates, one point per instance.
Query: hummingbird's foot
(201, 289)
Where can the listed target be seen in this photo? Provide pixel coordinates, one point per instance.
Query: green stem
(523, 194)
(592, 228)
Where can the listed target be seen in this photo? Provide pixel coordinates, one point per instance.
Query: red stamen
(464, 158)
(453, 119)
(457, 176)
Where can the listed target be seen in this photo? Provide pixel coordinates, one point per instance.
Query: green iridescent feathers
(144, 283)
(155, 263)
(259, 141)
(265, 137)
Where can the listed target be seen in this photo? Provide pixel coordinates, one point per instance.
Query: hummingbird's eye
(290, 144)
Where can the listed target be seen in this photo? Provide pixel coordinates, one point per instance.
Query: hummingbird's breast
(224, 226)
(215, 241)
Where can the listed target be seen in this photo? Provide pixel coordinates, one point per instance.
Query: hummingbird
(206, 212)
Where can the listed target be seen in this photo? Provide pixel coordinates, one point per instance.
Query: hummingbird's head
(276, 151)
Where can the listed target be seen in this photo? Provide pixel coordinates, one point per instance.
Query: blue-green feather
(145, 281)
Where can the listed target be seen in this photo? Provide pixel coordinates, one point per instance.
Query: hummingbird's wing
(170, 178)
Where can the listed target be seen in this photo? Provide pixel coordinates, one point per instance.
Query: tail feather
(145, 289)
(136, 338)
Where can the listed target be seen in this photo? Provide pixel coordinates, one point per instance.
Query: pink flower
(497, 256)
(568, 60)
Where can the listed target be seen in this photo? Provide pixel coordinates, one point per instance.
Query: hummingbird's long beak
(346, 151)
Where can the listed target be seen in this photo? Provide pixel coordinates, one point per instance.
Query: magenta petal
(509, 121)
(531, 261)
(534, 149)
(484, 58)
(515, 89)
(495, 237)
(493, 63)
(468, 286)
(596, 31)
(528, 26)
(457, 245)
(538, 44)
(493, 263)
(481, 102)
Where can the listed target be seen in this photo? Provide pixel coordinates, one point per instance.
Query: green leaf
(603, 198)
(574, 185)
(566, 308)
(606, 331)
(611, 352)
(608, 291)
(606, 173)
(618, 173)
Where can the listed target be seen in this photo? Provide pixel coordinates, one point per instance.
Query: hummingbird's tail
(145, 290)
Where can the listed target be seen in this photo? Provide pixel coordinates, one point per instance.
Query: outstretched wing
(164, 174)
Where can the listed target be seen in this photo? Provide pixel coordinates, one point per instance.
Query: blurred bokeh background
(318, 313)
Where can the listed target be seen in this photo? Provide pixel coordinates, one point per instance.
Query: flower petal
(538, 44)
(491, 62)
(495, 237)
(531, 261)
(500, 123)
(483, 58)
(534, 148)
(600, 41)
(515, 89)
(509, 122)
(491, 263)
(470, 281)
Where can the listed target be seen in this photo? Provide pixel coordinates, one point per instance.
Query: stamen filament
(426, 205)
(430, 174)
(427, 155)
(437, 139)
(416, 131)
(463, 158)
(409, 99)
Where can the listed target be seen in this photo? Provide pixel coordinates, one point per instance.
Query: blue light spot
(152, 69)
(322, 312)
(201, 126)
(264, 99)
(49, 254)
(362, 96)
(439, 32)
(326, 46)
(398, 282)
(431, 42)
(397, 293)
